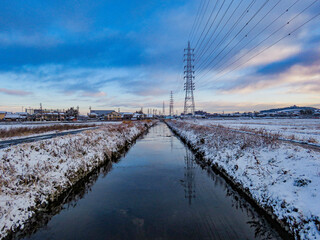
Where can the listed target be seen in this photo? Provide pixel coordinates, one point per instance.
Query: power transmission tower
(189, 85)
(41, 112)
(163, 109)
(171, 113)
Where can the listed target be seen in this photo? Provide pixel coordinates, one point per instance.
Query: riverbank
(283, 179)
(35, 174)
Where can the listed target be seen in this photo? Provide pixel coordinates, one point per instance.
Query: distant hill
(292, 108)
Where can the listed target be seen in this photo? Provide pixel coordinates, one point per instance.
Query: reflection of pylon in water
(189, 176)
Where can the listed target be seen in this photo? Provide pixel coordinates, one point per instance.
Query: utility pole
(189, 84)
(171, 113)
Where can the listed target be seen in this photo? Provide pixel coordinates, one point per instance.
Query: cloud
(15, 92)
(311, 87)
(302, 67)
(274, 54)
(85, 49)
(301, 58)
(85, 36)
(94, 94)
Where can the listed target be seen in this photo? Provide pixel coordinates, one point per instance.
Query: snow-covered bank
(34, 174)
(282, 178)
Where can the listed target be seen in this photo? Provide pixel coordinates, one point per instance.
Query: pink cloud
(14, 92)
(94, 94)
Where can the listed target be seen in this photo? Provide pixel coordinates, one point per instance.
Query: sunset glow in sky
(128, 54)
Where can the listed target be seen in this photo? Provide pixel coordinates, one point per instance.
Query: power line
(227, 34)
(287, 10)
(276, 31)
(268, 47)
(231, 15)
(201, 19)
(246, 35)
(263, 31)
(211, 23)
(212, 60)
(195, 20)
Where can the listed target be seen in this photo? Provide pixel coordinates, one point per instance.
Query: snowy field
(306, 130)
(10, 125)
(38, 125)
(33, 174)
(281, 177)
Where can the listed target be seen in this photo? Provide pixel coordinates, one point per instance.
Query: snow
(33, 174)
(279, 176)
(306, 130)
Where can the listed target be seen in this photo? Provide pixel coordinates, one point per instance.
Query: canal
(156, 191)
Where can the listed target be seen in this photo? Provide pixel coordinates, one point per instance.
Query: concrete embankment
(266, 172)
(34, 175)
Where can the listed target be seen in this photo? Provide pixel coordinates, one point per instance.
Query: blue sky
(128, 54)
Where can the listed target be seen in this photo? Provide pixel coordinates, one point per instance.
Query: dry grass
(23, 131)
(218, 136)
(312, 140)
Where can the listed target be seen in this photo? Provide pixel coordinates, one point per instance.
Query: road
(8, 143)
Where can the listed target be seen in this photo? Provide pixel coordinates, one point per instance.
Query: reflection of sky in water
(156, 191)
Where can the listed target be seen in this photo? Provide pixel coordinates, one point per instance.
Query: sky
(129, 54)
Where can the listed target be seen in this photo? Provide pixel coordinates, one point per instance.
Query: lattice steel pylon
(163, 109)
(171, 113)
(189, 106)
